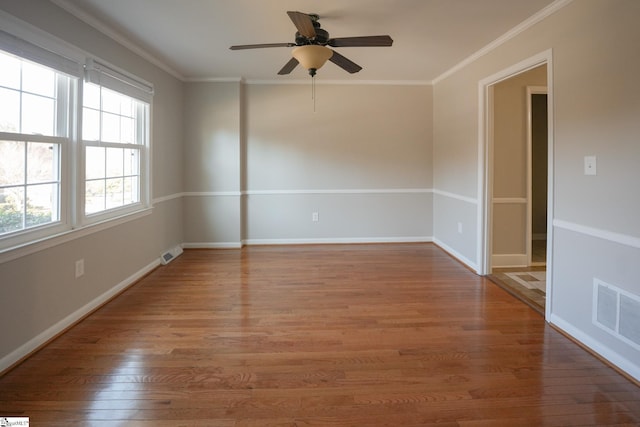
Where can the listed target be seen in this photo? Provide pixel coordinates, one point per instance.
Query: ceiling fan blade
(361, 41)
(258, 46)
(289, 66)
(344, 63)
(303, 23)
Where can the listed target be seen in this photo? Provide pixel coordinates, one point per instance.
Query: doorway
(516, 236)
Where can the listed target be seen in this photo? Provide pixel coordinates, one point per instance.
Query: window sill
(15, 252)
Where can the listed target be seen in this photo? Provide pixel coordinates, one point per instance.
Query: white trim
(523, 26)
(611, 236)
(212, 194)
(303, 192)
(212, 245)
(338, 240)
(485, 158)
(51, 332)
(509, 201)
(114, 35)
(456, 196)
(124, 41)
(319, 81)
(509, 260)
(167, 198)
(214, 80)
(622, 363)
(463, 259)
(337, 191)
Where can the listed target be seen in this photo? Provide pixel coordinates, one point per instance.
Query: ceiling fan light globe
(312, 56)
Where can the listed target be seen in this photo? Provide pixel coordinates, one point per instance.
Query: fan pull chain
(313, 92)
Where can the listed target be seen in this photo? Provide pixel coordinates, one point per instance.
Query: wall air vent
(170, 255)
(617, 312)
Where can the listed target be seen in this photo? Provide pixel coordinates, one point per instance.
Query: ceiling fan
(311, 43)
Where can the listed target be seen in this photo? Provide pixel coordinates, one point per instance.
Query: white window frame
(64, 139)
(31, 43)
(110, 77)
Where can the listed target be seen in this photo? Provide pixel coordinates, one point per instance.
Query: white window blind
(31, 52)
(119, 81)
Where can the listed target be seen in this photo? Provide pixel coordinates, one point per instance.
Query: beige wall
(213, 174)
(39, 294)
(596, 234)
(362, 160)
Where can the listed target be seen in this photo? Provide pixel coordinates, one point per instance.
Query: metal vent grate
(617, 312)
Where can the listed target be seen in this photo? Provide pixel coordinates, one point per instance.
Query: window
(34, 132)
(115, 123)
(113, 133)
(72, 153)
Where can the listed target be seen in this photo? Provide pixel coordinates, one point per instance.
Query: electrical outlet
(590, 165)
(460, 227)
(80, 268)
(315, 217)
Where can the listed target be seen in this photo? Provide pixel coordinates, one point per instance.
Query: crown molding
(124, 41)
(524, 25)
(214, 80)
(341, 82)
(116, 36)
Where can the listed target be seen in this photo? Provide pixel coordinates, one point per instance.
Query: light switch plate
(590, 165)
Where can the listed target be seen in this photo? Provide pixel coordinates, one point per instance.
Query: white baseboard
(36, 342)
(509, 260)
(620, 362)
(212, 245)
(334, 240)
(466, 261)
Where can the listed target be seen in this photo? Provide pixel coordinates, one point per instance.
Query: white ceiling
(191, 38)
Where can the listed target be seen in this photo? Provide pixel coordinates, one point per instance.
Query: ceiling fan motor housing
(321, 38)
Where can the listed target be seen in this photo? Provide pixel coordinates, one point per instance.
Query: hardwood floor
(360, 335)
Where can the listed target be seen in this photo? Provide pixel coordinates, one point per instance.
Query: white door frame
(485, 163)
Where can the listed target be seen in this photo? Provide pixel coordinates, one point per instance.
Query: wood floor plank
(330, 335)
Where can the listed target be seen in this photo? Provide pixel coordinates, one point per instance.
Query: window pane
(41, 200)
(12, 165)
(41, 162)
(9, 110)
(9, 71)
(90, 124)
(132, 162)
(38, 79)
(111, 101)
(91, 96)
(110, 127)
(11, 209)
(115, 162)
(95, 162)
(38, 114)
(128, 130)
(131, 193)
(115, 193)
(94, 196)
(126, 106)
